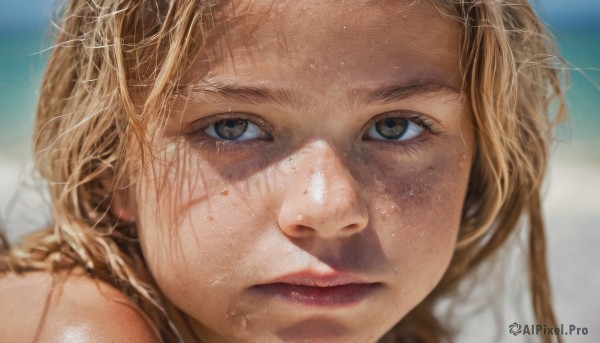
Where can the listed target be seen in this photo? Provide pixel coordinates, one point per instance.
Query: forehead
(350, 41)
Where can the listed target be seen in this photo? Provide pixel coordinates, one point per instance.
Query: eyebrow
(253, 95)
(396, 93)
(296, 99)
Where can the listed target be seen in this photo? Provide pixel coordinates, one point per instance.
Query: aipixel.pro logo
(515, 328)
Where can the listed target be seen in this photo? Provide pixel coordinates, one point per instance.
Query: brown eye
(394, 129)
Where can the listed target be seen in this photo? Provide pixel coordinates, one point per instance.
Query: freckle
(305, 192)
(224, 192)
(211, 218)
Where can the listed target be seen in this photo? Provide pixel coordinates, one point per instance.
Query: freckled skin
(318, 196)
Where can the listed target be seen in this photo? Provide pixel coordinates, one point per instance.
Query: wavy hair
(116, 66)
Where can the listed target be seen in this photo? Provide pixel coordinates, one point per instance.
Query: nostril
(351, 227)
(301, 230)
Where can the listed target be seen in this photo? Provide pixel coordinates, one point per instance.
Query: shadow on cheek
(421, 202)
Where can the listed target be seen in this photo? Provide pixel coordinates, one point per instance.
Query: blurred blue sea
(21, 68)
(581, 49)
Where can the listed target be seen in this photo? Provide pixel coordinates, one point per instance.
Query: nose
(324, 199)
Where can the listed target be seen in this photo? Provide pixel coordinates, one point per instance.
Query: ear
(123, 204)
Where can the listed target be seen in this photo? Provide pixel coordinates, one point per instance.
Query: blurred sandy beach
(572, 208)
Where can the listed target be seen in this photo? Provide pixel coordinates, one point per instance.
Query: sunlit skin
(312, 186)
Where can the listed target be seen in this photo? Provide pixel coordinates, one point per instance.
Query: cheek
(196, 227)
(416, 210)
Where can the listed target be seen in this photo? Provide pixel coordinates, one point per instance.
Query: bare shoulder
(68, 308)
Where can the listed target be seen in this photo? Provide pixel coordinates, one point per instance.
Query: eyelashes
(243, 131)
(229, 132)
(399, 126)
(236, 129)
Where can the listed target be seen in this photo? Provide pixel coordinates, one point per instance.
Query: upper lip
(315, 279)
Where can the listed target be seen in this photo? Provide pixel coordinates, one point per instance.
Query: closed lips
(306, 289)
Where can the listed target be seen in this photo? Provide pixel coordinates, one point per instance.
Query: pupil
(392, 128)
(231, 129)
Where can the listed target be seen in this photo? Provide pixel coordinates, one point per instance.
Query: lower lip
(335, 296)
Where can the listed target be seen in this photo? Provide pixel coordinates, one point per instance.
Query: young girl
(266, 171)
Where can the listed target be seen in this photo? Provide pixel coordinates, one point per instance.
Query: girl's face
(310, 182)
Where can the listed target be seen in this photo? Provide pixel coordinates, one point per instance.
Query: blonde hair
(116, 66)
